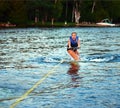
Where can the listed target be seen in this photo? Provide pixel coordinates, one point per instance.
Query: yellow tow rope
(34, 86)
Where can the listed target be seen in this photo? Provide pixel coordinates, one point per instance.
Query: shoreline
(95, 25)
(55, 25)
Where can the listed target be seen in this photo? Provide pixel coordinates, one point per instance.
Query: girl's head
(74, 34)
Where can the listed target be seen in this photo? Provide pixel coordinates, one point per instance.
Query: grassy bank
(39, 24)
(49, 24)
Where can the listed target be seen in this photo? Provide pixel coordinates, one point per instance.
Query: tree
(76, 11)
(18, 13)
(112, 8)
(4, 10)
(23, 11)
(93, 6)
(56, 10)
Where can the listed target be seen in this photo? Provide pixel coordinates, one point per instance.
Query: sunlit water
(26, 55)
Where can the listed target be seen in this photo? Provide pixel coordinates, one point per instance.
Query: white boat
(105, 22)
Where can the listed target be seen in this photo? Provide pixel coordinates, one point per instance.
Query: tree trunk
(52, 20)
(66, 11)
(43, 22)
(36, 15)
(36, 19)
(55, 1)
(77, 16)
(73, 14)
(93, 7)
(77, 13)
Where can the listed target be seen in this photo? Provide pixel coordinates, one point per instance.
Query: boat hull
(105, 24)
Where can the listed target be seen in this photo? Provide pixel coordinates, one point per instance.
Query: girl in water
(73, 45)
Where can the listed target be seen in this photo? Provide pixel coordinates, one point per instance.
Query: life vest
(74, 43)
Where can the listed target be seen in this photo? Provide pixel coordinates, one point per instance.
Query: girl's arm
(69, 43)
(78, 43)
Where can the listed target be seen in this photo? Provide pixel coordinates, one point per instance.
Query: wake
(103, 58)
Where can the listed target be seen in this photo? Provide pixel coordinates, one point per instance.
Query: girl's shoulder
(77, 37)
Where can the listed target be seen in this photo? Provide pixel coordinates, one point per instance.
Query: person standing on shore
(73, 45)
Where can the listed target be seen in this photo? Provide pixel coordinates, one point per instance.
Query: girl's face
(74, 36)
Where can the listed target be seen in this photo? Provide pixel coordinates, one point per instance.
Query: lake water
(28, 54)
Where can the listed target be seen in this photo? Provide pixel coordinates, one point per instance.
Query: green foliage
(23, 11)
(18, 13)
(4, 10)
(113, 7)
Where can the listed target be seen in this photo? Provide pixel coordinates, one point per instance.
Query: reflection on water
(73, 72)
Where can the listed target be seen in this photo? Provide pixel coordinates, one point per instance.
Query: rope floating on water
(34, 86)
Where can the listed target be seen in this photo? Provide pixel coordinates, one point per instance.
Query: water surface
(26, 55)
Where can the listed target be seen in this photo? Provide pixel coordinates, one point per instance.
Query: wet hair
(73, 33)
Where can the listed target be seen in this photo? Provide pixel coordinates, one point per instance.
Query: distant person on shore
(73, 45)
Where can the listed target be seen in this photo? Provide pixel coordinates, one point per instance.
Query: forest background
(49, 12)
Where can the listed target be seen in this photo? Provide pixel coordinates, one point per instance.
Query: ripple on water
(28, 54)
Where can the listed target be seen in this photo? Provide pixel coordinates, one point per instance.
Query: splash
(46, 60)
(103, 58)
